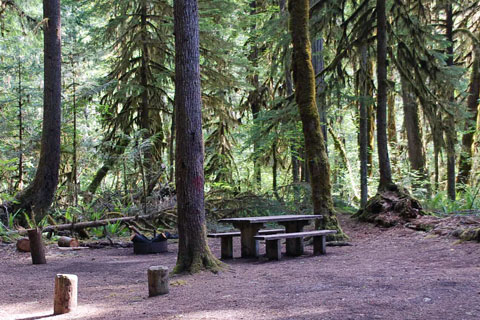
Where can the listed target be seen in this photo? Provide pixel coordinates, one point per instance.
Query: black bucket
(150, 247)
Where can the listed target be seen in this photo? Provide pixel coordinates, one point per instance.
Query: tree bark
(382, 141)
(465, 165)
(65, 299)
(363, 128)
(318, 66)
(67, 242)
(304, 79)
(38, 196)
(37, 248)
(391, 121)
(193, 251)
(20, 127)
(157, 281)
(416, 154)
(145, 119)
(450, 132)
(254, 99)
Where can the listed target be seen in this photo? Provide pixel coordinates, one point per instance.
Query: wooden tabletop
(265, 219)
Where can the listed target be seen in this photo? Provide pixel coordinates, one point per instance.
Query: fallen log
(91, 224)
(23, 245)
(67, 242)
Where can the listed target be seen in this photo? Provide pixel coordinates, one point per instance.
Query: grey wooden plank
(266, 219)
(237, 233)
(295, 235)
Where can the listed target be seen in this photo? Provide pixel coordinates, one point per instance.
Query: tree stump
(67, 242)
(37, 249)
(23, 245)
(65, 299)
(157, 280)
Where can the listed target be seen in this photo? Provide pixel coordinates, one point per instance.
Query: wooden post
(273, 248)
(157, 280)
(65, 299)
(227, 247)
(37, 249)
(294, 247)
(249, 244)
(319, 245)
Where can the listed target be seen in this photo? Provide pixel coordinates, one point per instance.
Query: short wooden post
(37, 249)
(157, 280)
(319, 245)
(65, 299)
(227, 247)
(274, 249)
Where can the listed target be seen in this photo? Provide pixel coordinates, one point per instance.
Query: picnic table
(249, 227)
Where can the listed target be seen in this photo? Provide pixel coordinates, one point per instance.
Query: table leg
(248, 243)
(294, 246)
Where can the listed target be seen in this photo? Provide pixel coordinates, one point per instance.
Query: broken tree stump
(23, 245)
(37, 249)
(67, 242)
(157, 280)
(65, 299)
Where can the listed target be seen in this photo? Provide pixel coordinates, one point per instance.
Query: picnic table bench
(226, 243)
(273, 245)
(249, 228)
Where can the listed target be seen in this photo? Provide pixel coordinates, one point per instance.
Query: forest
(168, 115)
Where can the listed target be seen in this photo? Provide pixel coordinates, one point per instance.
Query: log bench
(227, 240)
(273, 245)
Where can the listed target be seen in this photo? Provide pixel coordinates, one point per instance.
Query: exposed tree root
(390, 207)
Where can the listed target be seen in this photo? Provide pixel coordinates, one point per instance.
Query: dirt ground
(393, 273)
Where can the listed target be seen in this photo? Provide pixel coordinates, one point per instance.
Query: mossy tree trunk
(392, 203)
(449, 127)
(465, 165)
(363, 125)
(382, 140)
(304, 80)
(411, 120)
(193, 251)
(38, 196)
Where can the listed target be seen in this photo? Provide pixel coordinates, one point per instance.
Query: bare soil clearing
(395, 273)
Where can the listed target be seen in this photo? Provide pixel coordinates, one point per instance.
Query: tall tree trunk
(171, 148)
(363, 130)
(74, 165)
(304, 79)
(450, 132)
(254, 99)
(318, 66)
(20, 127)
(145, 120)
(382, 141)
(391, 122)
(193, 251)
(465, 166)
(289, 91)
(411, 120)
(275, 171)
(38, 196)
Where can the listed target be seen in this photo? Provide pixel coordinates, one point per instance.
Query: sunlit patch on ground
(31, 311)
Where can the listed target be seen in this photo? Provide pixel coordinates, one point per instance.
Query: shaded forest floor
(395, 273)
